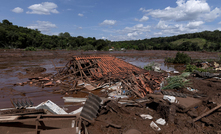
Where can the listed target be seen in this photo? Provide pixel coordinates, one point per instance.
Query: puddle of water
(143, 61)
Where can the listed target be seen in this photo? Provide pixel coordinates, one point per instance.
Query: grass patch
(177, 82)
(199, 41)
(149, 67)
(191, 68)
(30, 49)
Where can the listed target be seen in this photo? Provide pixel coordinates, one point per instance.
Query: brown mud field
(16, 66)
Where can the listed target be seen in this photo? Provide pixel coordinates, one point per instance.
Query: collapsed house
(103, 70)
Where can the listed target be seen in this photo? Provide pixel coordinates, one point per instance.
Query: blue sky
(114, 19)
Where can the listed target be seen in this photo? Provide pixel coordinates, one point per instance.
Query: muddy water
(10, 74)
(142, 61)
(11, 71)
(13, 63)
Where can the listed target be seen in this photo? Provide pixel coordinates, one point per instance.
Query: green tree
(6, 22)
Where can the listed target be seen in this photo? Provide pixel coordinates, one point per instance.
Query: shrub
(169, 60)
(30, 49)
(182, 58)
(176, 82)
(191, 68)
(149, 66)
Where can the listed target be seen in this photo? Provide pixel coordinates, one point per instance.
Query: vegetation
(191, 68)
(149, 67)
(177, 82)
(30, 49)
(199, 41)
(180, 58)
(13, 36)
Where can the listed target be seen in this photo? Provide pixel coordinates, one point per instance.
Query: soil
(17, 66)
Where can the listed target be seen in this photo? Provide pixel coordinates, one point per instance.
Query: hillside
(206, 40)
(199, 41)
(13, 36)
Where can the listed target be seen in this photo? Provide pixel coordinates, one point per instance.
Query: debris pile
(94, 72)
(136, 100)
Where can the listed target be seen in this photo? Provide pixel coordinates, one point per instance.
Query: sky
(115, 20)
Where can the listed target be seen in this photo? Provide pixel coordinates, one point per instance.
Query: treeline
(213, 42)
(12, 36)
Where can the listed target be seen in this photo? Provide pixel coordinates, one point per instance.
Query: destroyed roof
(108, 66)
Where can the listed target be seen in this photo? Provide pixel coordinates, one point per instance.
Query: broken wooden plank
(89, 87)
(8, 118)
(138, 94)
(208, 112)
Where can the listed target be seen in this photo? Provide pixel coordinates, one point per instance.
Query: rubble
(154, 126)
(171, 99)
(146, 116)
(131, 99)
(210, 111)
(95, 72)
(161, 121)
(52, 107)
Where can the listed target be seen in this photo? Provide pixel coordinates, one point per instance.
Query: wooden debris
(208, 112)
(95, 71)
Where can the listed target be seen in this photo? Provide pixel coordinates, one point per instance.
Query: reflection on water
(143, 61)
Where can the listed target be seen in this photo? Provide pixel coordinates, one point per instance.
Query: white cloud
(162, 25)
(132, 34)
(104, 38)
(108, 22)
(79, 28)
(81, 15)
(135, 32)
(139, 28)
(158, 33)
(121, 37)
(212, 15)
(45, 8)
(175, 29)
(144, 18)
(144, 10)
(186, 11)
(219, 22)
(17, 10)
(194, 24)
(43, 26)
(170, 28)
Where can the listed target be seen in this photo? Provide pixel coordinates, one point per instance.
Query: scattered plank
(208, 112)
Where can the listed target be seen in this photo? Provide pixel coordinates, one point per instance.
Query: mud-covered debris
(35, 70)
(161, 121)
(154, 126)
(49, 84)
(91, 107)
(132, 131)
(192, 113)
(171, 99)
(51, 106)
(146, 116)
(208, 112)
(205, 74)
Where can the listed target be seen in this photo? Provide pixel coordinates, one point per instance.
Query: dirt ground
(16, 65)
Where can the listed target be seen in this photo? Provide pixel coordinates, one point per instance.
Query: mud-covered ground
(16, 65)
